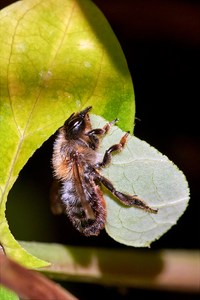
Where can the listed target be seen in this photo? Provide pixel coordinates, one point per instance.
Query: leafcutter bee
(77, 168)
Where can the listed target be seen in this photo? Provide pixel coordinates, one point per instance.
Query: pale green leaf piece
(140, 169)
(56, 57)
(6, 294)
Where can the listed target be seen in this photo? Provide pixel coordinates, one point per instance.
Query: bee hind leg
(55, 200)
(129, 200)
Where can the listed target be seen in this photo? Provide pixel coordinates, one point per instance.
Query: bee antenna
(85, 111)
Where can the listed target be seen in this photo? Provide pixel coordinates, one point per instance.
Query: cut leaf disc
(140, 169)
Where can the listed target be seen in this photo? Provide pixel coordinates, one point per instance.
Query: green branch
(167, 269)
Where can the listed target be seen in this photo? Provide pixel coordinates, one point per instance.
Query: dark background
(161, 42)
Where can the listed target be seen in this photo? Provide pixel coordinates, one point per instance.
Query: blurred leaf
(140, 169)
(6, 294)
(56, 58)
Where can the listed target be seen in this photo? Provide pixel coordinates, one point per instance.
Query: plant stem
(168, 269)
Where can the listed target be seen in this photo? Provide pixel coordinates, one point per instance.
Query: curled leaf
(140, 169)
(56, 57)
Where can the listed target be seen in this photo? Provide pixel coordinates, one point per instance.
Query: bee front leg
(126, 199)
(99, 131)
(104, 130)
(107, 156)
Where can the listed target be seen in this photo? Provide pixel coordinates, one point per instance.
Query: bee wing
(81, 188)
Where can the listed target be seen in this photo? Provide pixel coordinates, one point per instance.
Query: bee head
(76, 123)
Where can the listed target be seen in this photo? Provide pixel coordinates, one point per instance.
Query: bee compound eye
(74, 128)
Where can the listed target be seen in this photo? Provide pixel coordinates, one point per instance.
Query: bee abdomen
(76, 212)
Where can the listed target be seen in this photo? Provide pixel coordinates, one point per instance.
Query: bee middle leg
(117, 147)
(129, 200)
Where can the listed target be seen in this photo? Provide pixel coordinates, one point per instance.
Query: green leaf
(56, 57)
(140, 169)
(6, 294)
